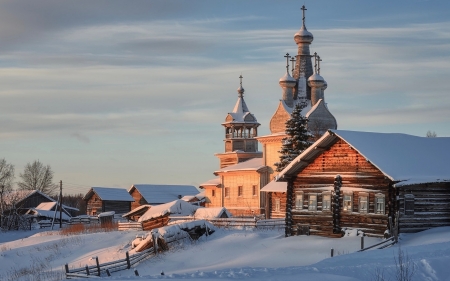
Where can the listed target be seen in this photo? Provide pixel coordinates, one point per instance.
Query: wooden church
(243, 170)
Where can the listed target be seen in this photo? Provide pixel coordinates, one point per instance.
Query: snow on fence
(238, 222)
(83, 220)
(130, 226)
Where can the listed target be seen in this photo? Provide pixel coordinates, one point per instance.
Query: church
(244, 170)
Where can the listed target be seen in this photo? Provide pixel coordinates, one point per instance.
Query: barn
(350, 179)
(107, 199)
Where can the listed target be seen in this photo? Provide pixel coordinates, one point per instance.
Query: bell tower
(241, 130)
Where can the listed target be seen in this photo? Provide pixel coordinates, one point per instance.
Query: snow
(178, 207)
(209, 213)
(253, 164)
(162, 193)
(106, 214)
(111, 194)
(274, 186)
(211, 182)
(231, 254)
(48, 214)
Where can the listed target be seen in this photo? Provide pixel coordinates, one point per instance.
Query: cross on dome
(303, 8)
(318, 64)
(315, 62)
(287, 56)
(293, 63)
(240, 90)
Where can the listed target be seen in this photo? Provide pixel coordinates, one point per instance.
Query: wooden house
(239, 188)
(358, 180)
(156, 194)
(106, 199)
(46, 211)
(158, 216)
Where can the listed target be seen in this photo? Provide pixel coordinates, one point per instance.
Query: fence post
(107, 272)
(66, 266)
(332, 252)
(362, 242)
(206, 227)
(98, 266)
(128, 260)
(155, 242)
(136, 272)
(87, 270)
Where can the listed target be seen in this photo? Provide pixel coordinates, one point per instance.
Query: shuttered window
(312, 204)
(326, 202)
(363, 202)
(254, 193)
(379, 203)
(299, 200)
(239, 191)
(227, 192)
(348, 202)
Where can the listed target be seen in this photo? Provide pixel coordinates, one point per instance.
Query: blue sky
(114, 93)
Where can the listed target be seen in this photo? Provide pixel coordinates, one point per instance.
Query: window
(379, 203)
(239, 191)
(213, 193)
(277, 205)
(348, 202)
(312, 204)
(299, 200)
(227, 192)
(254, 191)
(409, 204)
(363, 202)
(326, 202)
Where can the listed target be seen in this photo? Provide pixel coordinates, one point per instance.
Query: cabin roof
(109, 194)
(163, 193)
(404, 159)
(212, 182)
(210, 213)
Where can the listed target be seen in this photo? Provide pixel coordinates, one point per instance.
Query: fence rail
(130, 226)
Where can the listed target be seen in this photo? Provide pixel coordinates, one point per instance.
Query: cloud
(80, 137)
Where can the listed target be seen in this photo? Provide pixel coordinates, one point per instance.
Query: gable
(278, 120)
(160, 193)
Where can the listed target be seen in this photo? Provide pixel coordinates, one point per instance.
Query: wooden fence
(102, 269)
(130, 225)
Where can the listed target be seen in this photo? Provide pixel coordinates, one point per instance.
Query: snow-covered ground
(228, 254)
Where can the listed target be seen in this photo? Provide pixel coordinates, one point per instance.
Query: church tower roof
(303, 35)
(240, 113)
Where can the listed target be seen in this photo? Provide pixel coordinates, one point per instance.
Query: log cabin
(349, 179)
(106, 199)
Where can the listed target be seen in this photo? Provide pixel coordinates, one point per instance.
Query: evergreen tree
(297, 140)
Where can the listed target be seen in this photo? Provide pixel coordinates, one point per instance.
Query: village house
(107, 199)
(243, 170)
(157, 194)
(358, 180)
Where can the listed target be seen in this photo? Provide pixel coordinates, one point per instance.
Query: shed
(380, 174)
(212, 213)
(106, 199)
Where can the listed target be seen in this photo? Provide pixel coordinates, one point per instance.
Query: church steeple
(303, 38)
(241, 128)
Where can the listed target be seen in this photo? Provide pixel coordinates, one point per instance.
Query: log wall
(138, 199)
(94, 205)
(358, 176)
(431, 206)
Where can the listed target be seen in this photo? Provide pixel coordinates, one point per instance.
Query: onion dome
(316, 78)
(325, 85)
(287, 78)
(303, 36)
(240, 90)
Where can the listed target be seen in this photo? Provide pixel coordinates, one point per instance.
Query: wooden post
(332, 252)
(391, 228)
(155, 243)
(98, 266)
(87, 270)
(206, 227)
(362, 242)
(66, 266)
(136, 272)
(128, 260)
(107, 272)
(60, 204)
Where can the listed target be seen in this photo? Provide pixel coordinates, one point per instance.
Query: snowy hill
(229, 254)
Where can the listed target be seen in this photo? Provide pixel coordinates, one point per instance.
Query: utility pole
(60, 204)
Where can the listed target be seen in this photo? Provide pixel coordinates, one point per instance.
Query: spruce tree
(297, 140)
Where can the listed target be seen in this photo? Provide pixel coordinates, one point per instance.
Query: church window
(240, 191)
(312, 204)
(213, 193)
(363, 202)
(254, 190)
(326, 202)
(227, 192)
(379, 203)
(348, 202)
(299, 200)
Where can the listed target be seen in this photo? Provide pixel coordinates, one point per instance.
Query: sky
(114, 93)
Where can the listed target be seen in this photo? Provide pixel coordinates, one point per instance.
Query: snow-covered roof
(275, 186)
(253, 164)
(47, 206)
(163, 193)
(48, 214)
(106, 214)
(178, 207)
(212, 182)
(110, 194)
(18, 196)
(402, 158)
(209, 213)
(137, 209)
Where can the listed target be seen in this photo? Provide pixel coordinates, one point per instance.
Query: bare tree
(6, 181)
(405, 267)
(36, 176)
(431, 134)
